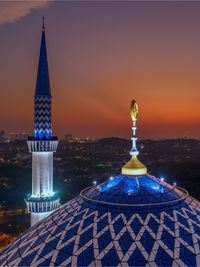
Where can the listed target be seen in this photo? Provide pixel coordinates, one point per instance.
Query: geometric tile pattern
(83, 233)
(42, 117)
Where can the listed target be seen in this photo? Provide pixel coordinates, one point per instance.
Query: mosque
(133, 219)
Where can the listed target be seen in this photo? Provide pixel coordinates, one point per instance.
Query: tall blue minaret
(43, 200)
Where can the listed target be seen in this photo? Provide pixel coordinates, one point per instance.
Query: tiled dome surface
(126, 221)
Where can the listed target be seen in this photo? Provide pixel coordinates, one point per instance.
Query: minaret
(134, 166)
(43, 200)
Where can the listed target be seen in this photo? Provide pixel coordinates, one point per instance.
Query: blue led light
(135, 190)
(130, 184)
(111, 183)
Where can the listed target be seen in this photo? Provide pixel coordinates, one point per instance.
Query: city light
(98, 187)
(162, 179)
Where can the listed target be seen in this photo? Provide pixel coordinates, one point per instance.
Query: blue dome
(126, 221)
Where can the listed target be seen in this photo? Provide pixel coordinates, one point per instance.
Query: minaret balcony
(42, 204)
(40, 145)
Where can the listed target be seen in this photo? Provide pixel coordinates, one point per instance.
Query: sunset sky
(102, 55)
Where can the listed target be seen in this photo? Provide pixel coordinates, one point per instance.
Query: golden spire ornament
(134, 166)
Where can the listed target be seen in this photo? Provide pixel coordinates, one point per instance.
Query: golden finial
(134, 110)
(134, 166)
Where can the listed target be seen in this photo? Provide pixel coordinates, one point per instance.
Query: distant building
(2, 136)
(84, 140)
(68, 138)
(18, 136)
(12, 136)
(23, 136)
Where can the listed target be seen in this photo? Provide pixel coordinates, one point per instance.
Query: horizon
(61, 138)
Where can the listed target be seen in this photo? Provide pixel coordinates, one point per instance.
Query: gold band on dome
(134, 166)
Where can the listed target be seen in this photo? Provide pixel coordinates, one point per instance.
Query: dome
(133, 219)
(126, 221)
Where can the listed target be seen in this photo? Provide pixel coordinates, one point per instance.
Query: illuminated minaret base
(43, 200)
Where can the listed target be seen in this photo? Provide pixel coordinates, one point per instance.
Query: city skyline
(101, 55)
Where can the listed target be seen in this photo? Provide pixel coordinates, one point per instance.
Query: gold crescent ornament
(134, 110)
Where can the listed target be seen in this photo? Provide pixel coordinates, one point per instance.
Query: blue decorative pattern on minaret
(42, 103)
(42, 117)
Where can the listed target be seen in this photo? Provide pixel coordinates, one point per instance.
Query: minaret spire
(43, 83)
(134, 166)
(43, 28)
(43, 200)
